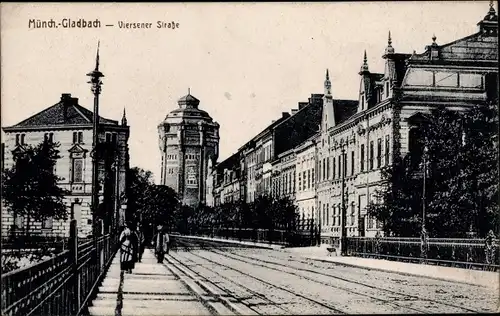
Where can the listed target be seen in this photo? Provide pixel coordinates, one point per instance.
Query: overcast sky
(247, 63)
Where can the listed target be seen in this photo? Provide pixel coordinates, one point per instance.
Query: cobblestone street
(201, 277)
(273, 282)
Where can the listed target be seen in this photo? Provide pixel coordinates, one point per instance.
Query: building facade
(305, 177)
(188, 140)
(71, 125)
(339, 153)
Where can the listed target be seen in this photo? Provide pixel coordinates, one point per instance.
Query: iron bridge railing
(61, 285)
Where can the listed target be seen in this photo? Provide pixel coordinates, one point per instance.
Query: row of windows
(306, 181)
(188, 157)
(379, 94)
(335, 218)
(429, 78)
(337, 162)
(283, 185)
(260, 155)
(77, 138)
(48, 223)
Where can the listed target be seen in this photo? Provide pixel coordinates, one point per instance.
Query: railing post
(377, 244)
(424, 244)
(73, 252)
(489, 248)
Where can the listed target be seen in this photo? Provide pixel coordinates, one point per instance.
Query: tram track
(329, 307)
(239, 284)
(428, 305)
(384, 301)
(336, 277)
(214, 303)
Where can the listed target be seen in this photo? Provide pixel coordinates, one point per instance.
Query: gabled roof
(66, 112)
(344, 109)
(300, 126)
(77, 149)
(268, 129)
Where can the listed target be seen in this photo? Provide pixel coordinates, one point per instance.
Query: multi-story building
(457, 75)
(188, 139)
(71, 125)
(227, 179)
(260, 158)
(256, 153)
(356, 138)
(283, 175)
(305, 177)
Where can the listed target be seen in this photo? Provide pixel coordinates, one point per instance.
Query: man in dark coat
(160, 242)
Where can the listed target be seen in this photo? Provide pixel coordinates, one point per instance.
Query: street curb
(399, 272)
(231, 241)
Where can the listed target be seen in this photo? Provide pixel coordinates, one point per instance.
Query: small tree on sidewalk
(29, 187)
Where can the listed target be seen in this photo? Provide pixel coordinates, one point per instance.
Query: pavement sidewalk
(320, 253)
(472, 277)
(152, 289)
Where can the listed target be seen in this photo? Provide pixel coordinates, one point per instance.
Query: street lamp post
(343, 230)
(424, 231)
(95, 81)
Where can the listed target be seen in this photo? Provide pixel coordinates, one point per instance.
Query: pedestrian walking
(126, 250)
(135, 244)
(160, 243)
(141, 240)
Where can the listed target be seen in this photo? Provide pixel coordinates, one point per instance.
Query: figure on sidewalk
(141, 239)
(126, 250)
(135, 243)
(160, 242)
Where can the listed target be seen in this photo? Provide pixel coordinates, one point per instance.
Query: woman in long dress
(126, 250)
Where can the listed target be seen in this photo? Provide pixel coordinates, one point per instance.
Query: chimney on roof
(285, 114)
(66, 101)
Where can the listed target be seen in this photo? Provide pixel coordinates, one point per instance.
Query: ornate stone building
(189, 140)
(70, 124)
(457, 75)
(339, 164)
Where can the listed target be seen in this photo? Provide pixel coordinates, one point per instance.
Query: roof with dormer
(478, 48)
(67, 112)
